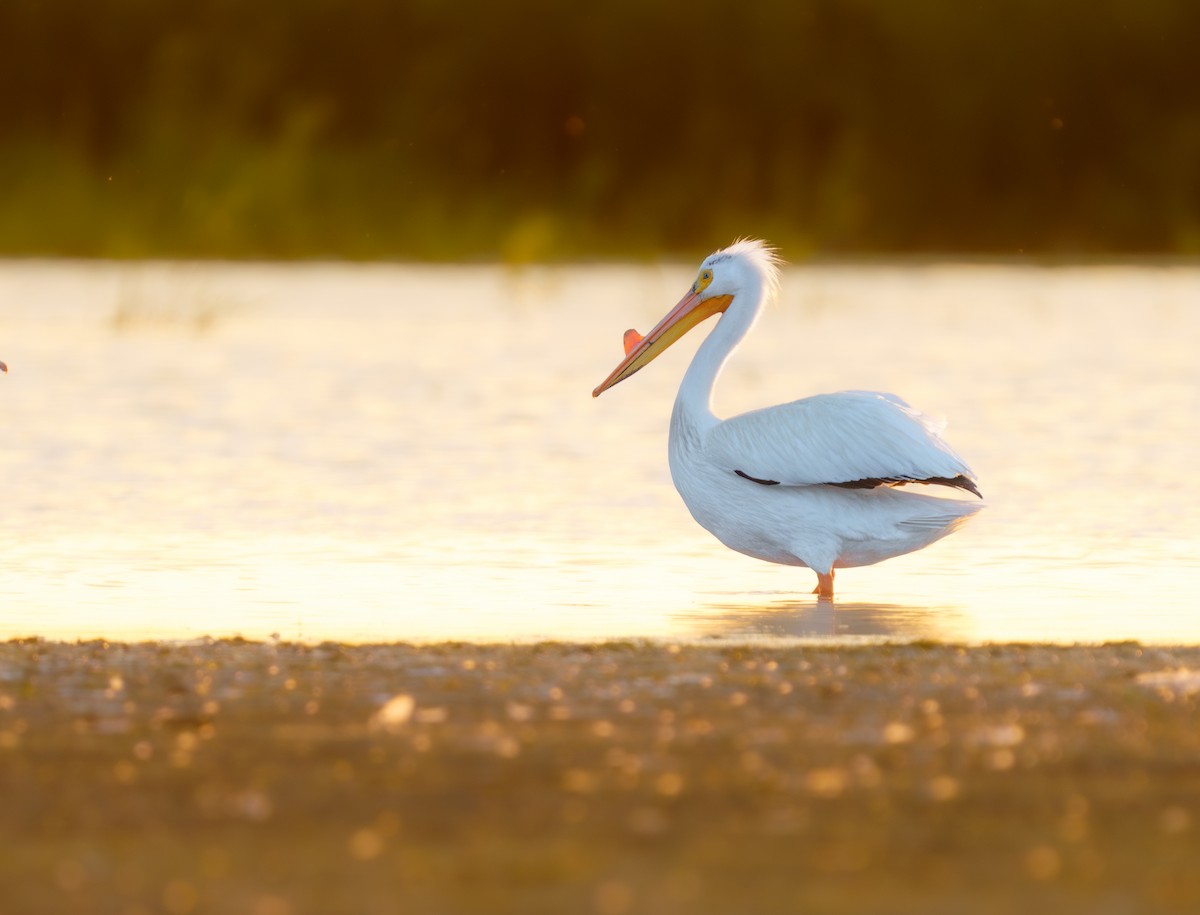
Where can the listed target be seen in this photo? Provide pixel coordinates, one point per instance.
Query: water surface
(412, 453)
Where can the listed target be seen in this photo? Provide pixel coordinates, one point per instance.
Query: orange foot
(824, 586)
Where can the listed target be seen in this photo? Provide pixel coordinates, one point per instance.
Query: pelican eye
(702, 281)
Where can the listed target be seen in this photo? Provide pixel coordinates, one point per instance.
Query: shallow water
(412, 453)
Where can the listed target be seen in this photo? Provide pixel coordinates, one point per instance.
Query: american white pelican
(809, 483)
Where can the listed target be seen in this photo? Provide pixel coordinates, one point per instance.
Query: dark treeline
(540, 128)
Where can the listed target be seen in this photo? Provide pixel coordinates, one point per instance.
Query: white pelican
(809, 483)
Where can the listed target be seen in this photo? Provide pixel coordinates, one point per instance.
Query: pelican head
(744, 275)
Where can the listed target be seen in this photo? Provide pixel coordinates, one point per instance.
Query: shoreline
(283, 778)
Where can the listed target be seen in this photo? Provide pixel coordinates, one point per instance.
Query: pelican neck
(696, 390)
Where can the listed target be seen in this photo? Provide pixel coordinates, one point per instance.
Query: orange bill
(691, 310)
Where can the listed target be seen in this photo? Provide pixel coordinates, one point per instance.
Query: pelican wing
(857, 439)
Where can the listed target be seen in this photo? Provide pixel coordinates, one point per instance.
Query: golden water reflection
(399, 453)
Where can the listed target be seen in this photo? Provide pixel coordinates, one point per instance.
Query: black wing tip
(964, 482)
(959, 482)
(746, 476)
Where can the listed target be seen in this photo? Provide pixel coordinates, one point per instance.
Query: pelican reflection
(808, 618)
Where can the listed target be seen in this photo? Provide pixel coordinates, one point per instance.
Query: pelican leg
(824, 586)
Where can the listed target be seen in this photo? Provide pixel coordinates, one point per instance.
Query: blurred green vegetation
(541, 129)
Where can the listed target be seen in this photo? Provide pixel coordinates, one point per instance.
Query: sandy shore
(282, 779)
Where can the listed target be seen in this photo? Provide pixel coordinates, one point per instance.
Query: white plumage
(813, 482)
(850, 435)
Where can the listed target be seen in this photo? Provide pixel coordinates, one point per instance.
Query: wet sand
(284, 779)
